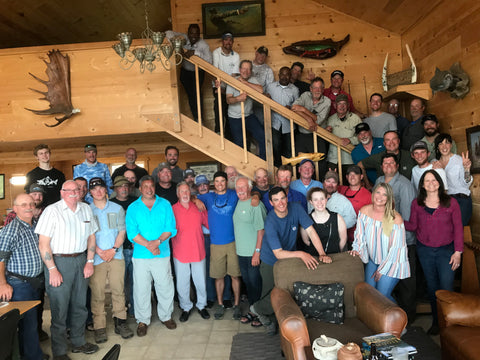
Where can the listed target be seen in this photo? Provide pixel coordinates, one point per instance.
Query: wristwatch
(90, 261)
(257, 250)
(115, 248)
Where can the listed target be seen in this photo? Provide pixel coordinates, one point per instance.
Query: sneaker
(237, 314)
(204, 314)
(100, 335)
(142, 329)
(170, 324)
(219, 312)
(86, 348)
(122, 329)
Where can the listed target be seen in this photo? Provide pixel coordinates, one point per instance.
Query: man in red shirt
(188, 248)
(336, 80)
(356, 193)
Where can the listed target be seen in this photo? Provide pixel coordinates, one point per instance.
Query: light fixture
(152, 50)
(18, 180)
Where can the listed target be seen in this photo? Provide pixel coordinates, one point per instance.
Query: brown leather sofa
(367, 312)
(459, 321)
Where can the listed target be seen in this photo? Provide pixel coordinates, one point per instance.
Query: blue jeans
(253, 126)
(251, 277)
(465, 204)
(27, 327)
(211, 292)
(127, 254)
(386, 283)
(438, 272)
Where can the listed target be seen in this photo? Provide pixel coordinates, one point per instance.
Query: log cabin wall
(448, 34)
(287, 22)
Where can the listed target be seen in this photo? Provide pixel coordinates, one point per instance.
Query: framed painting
(473, 144)
(208, 168)
(241, 18)
(2, 186)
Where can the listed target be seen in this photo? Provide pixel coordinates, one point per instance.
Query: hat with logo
(201, 179)
(337, 72)
(306, 160)
(226, 35)
(429, 117)
(361, 127)
(418, 145)
(36, 188)
(262, 50)
(96, 181)
(120, 181)
(330, 174)
(188, 172)
(355, 169)
(89, 147)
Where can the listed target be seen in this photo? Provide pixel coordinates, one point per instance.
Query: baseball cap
(227, 34)
(96, 181)
(36, 188)
(188, 172)
(337, 72)
(354, 168)
(89, 147)
(220, 173)
(361, 127)
(306, 160)
(330, 174)
(341, 97)
(418, 145)
(429, 117)
(201, 179)
(120, 180)
(163, 165)
(262, 50)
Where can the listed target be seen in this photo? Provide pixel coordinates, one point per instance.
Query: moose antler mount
(58, 88)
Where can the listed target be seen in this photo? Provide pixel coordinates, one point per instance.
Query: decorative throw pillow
(321, 302)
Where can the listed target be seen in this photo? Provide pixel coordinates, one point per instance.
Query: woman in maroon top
(437, 221)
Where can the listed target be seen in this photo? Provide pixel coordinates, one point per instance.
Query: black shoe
(86, 348)
(210, 304)
(42, 335)
(185, 315)
(227, 304)
(45, 357)
(204, 314)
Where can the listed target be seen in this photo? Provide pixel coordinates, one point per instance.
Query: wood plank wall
(288, 22)
(448, 34)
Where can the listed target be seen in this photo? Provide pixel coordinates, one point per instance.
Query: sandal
(255, 322)
(248, 318)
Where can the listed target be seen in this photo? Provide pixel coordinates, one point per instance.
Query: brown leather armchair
(459, 321)
(367, 312)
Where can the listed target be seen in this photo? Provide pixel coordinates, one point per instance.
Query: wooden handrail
(282, 110)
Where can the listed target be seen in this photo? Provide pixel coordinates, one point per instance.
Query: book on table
(386, 342)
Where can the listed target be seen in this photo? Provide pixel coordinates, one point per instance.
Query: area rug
(258, 346)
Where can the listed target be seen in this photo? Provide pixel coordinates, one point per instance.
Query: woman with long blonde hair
(379, 241)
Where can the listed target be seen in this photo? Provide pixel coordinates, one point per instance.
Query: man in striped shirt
(21, 272)
(66, 230)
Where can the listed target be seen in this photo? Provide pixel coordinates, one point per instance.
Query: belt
(461, 196)
(70, 255)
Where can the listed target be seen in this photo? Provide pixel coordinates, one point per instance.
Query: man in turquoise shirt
(150, 224)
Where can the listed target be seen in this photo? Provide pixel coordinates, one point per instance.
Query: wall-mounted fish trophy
(58, 88)
(455, 81)
(316, 49)
(404, 77)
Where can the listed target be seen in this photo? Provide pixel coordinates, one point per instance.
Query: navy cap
(96, 181)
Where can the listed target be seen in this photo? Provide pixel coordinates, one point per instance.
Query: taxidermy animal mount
(58, 88)
(404, 77)
(316, 49)
(455, 81)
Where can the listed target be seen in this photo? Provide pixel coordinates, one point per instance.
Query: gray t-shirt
(379, 125)
(235, 110)
(321, 109)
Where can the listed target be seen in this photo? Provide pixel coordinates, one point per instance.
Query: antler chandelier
(152, 50)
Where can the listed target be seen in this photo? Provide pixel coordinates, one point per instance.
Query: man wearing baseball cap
(367, 145)
(91, 168)
(305, 182)
(420, 153)
(335, 89)
(264, 74)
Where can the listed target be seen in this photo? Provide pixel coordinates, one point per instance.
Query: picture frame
(2, 186)
(208, 168)
(473, 146)
(241, 18)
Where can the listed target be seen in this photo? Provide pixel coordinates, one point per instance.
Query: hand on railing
(345, 141)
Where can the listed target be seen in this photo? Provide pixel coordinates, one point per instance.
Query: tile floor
(195, 339)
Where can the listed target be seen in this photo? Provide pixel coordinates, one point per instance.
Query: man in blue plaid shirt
(21, 272)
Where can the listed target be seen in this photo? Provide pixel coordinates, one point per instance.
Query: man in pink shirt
(188, 248)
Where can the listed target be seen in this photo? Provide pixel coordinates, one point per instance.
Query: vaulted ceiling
(50, 22)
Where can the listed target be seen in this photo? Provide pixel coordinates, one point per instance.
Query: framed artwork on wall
(473, 144)
(242, 18)
(2, 186)
(207, 168)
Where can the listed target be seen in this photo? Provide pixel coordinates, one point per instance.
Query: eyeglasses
(69, 190)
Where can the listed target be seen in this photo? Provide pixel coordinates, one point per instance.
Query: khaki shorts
(223, 261)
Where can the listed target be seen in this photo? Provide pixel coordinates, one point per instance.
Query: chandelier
(153, 50)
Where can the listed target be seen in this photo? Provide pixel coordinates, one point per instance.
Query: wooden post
(267, 123)
(339, 164)
(315, 148)
(244, 133)
(199, 102)
(292, 146)
(220, 113)
(177, 126)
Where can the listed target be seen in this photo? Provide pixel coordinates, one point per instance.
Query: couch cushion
(460, 342)
(320, 302)
(352, 330)
(344, 269)
(459, 309)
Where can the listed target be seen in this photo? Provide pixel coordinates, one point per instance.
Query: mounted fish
(455, 81)
(316, 49)
(58, 88)
(302, 156)
(404, 77)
